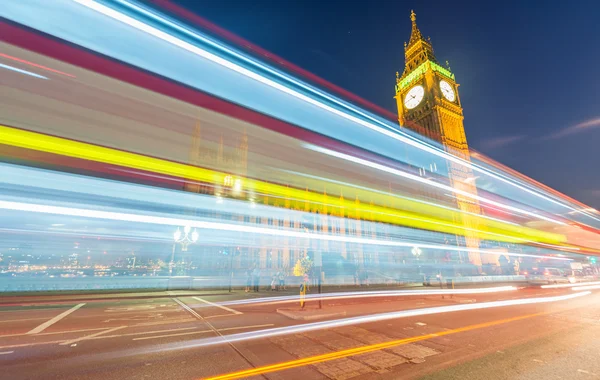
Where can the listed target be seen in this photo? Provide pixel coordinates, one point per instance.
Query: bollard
(302, 294)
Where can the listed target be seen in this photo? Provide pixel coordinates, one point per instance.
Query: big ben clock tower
(428, 102)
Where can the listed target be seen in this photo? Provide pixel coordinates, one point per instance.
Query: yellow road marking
(360, 350)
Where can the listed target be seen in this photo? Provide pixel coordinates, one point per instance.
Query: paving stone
(380, 359)
(414, 352)
(300, 345)
(341, 369)
(334, 340)
(363, 335)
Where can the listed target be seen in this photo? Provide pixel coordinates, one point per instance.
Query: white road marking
(22, 310)
(221, 315)
(66, 343)
(49, 323)
(189, 309)
(31, 344)
(140, 333)
(129, 309)
(586, 372)
(170, 335)
(55, 332)
(167, 322)
(538, 361)
(204, 331)
(421, 324)
(500, 352)
(217, 305)
(23, 319)
(6, 352)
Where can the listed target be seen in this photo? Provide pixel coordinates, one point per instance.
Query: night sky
(529, 74)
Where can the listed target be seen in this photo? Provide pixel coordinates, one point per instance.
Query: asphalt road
(207, 334)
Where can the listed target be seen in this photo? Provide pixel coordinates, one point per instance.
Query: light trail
(419, 179)
(21, 71)
(386, 293)
(176, 222)
(35, 65)
(556, 286)
(578, 288)
(395, 195)
(65, 147)
(361, 350)
(386, 129)
(314, 326)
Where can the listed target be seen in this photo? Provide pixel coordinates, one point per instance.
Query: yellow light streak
(419, 217)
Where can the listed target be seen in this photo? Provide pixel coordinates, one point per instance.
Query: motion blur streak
(151, 219)
(578, 288)
(361, 350)
(365, 294)
(70, 148)
(7, 67)
(393, 134)
(361, 319)
(574, 286)
(428, 182)
(35, 65)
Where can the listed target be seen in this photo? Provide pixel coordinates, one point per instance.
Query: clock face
(414, 97)
(447, 90)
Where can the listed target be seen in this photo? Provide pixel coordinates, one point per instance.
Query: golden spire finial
(413, 16)
(397, 75)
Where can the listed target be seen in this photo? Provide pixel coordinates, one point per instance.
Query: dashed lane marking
(6, 352)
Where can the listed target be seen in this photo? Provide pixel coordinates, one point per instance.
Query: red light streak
(35, 65)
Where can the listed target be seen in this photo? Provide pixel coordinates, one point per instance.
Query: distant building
(428, 103)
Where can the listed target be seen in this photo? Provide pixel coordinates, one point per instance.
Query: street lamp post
(184, 238)
(416, 251)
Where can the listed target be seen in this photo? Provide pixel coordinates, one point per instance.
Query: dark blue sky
(529, 74)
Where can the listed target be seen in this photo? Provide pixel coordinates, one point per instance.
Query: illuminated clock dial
(447, 90)
(414, 96)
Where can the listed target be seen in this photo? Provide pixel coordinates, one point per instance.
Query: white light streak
(405, 138)
(577, 288)
(416, 178)
(169, 221)
(298, 329)
(570, 285)
(388, 293)
(22, 71)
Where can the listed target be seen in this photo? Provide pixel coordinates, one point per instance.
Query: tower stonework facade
(428, 102)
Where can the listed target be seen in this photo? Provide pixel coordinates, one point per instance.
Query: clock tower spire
(428, 102)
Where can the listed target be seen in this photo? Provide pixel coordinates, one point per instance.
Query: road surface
(209, 334)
